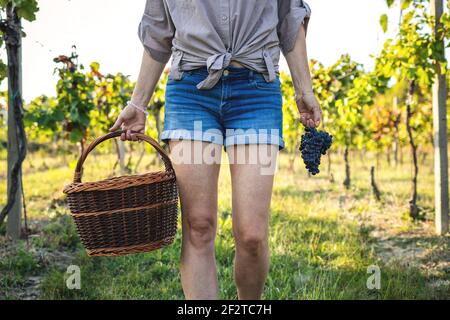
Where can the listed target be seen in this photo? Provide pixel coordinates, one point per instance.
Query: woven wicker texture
(127, 214)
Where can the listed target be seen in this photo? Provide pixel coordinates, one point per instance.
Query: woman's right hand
(309, 109)
(132, 121)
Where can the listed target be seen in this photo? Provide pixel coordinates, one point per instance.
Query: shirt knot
(215, 65)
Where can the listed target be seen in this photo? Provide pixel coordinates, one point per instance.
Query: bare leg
(252, 190)
(198, 195)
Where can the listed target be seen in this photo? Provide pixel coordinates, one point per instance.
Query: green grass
(320, 238)
(15, 267)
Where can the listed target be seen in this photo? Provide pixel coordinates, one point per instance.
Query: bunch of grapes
(314, 144)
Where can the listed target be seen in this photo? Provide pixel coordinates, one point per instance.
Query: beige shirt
(213, 33)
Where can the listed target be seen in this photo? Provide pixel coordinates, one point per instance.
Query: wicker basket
(127, 214)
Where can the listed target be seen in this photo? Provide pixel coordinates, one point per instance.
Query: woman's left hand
(310, 110)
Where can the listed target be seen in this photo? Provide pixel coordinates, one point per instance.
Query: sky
(106, 31)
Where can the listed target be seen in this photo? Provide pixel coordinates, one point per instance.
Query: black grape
(313, 145)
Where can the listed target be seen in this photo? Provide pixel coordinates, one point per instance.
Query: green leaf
(3, 71)
(76, 135)
(3, 3)
(389, 3)
(27, 9)
(58, 115)
(95, 66)
(384, 22)
(406, 4)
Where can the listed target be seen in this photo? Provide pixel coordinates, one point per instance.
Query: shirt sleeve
(291, 14)
(156, 30)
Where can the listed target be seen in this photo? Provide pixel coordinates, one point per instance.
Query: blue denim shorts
(242, 108)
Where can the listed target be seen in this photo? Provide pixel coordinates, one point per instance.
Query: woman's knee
(252, 242)
(201, 232)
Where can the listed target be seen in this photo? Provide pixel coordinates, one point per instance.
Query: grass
(322, 239)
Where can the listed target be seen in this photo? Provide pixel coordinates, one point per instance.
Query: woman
(223, 90)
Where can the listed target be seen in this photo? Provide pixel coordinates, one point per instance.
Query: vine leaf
(384, 22)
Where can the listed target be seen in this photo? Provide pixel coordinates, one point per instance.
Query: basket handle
(140, 136)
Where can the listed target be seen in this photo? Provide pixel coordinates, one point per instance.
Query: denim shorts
(242, 108)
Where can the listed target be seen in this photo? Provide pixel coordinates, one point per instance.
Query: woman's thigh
(197, 180)
(252, 172)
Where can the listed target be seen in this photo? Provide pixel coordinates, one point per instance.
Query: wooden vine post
(12, 11)
(12, 32)
(440, 131)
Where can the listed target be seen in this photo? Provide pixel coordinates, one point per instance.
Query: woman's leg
(197, 183)
(252, 190)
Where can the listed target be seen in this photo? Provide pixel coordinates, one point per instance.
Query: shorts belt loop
(269, 65)
(175, 71)
(250, 77)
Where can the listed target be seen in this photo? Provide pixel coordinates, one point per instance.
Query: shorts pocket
(260, 83)
(191, 77)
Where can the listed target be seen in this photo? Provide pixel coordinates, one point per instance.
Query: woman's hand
(132, 121)
(310, 110)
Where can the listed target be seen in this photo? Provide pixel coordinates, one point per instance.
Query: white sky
(106, 31)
